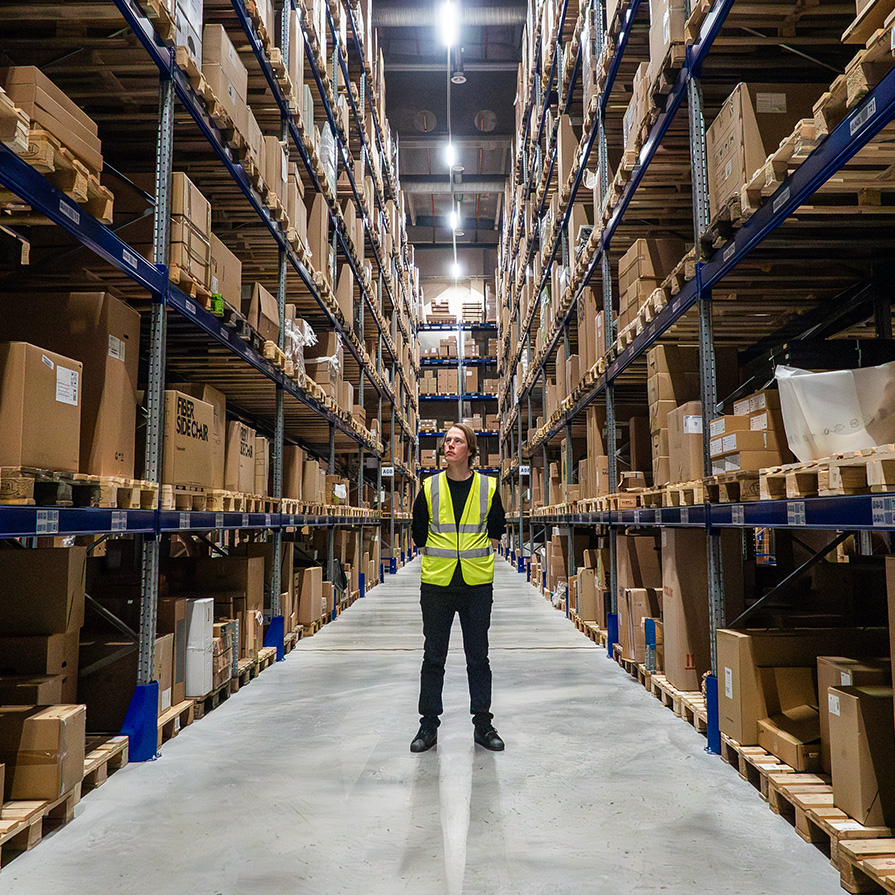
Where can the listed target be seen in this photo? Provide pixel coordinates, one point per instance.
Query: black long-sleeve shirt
(459, 494)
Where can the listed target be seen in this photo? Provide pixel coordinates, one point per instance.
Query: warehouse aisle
(304, 783)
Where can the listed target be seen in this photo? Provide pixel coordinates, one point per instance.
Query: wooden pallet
(47, 154)
(211, 700)
(29, 486)
(275, 355)
(685, 494)
(867, 865)
(23, 824)
(104, 759)
(311, 629)
(190, 286)
(247, 670)
(174, 719)
(652, 497)
(14, 125)
(732, 487)
(686, 704)
(121, 493)
(183, 498)
(267, 655)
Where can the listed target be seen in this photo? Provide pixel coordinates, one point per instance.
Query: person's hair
(469, 433)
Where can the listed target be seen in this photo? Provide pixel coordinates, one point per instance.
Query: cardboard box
(40, 408)
(172, 620)
(640, 603)
(685, 450)
(275, 166)
(226, 272)
(667, 20)
(55, 654)
(42, 591)
(239, 465)
(862, 752)
(218, 443)
(50, 109)
(187, 454)
(751, 124)
(756, 677)
(103, 333)
(309, 585)
(743, 442)
(839, 671)
(225, 74)
(678, 387)
(767, 399)
(793, 736)
(24, 690)
(262, 466)
(188, 202)
(673, 359)
(649, 259)
(262, 311)
(638, 563)
(188, 22)
(199, 623)
(164, 671)
(293, 464)
(43, 750)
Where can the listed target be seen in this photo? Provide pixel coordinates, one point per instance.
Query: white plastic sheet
(836, 411)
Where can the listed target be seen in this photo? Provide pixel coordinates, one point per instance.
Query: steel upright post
(140, 723)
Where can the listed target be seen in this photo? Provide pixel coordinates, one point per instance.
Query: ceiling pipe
(427, 16)
(441, 186)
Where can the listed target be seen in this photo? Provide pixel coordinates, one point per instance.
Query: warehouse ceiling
(481, 115)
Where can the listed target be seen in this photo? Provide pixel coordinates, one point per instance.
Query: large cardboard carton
(40, 408)
(36, 690)
(50, 109)
(262, 465)
(239, 465)
(218, 441)
(840, 671)
(262, 311)
(309, 584)
(685, 451)
(293, 462)
(667, 20)
(793, 736)
(187, 202)
(199, 646)
(224, 72)
(751, 124)
(42, 591)
(188, 453)
(103, 333)
(55, 654)
(43, 750)
(862, 752)
(640, 603)
(226, 272)
(172, 620)
(638, 563)
(756, 677)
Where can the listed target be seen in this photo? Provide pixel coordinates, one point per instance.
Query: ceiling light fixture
(457, 74)
(455, 220)
(450, 23)
(455, 270)
(450, 155)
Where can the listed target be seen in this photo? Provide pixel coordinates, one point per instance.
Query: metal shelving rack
(858, 127)
(103, 242)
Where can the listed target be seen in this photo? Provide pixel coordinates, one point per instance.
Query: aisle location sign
(388, 472)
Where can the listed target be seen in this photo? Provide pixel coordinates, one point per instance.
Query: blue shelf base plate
(520, 564)
(141, 723)
(713, 727)
(362, 584)
(612, 632)
(275, 636)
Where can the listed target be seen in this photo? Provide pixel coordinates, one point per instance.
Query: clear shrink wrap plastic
(298, 336)
(836, 411)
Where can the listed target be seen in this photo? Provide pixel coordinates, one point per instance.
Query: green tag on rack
(216, 306)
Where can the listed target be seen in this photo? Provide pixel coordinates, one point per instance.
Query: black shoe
(425, 739)
(489, 738)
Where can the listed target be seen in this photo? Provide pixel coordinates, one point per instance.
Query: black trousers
(474, 608)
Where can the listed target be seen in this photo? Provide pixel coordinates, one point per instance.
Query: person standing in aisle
(458, 518)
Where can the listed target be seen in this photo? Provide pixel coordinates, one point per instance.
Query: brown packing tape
(33, 758)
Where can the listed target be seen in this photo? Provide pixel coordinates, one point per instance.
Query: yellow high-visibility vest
(467, 543)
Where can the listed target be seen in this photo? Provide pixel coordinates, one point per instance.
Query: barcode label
(71, 213)
(781, 200)
(883, 510)
(129, 258)
(119, 521)
(225, 335)
(47, 522)
(218, 520)
(862, 117)
(738, 515)
(267, 522)
(795, 512)
(729, 252)
(245, 520)
(190, 308)
(685, 514)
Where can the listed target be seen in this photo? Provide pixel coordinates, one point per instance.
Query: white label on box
(119, 520)
(742, 407)
(716, 446)
(71, 213)
(717, 427)
(166, 699)
(341, 491)
(833, 704)
(729, 442)
(728, 168)
(728, 682)
(67, 386)
(692, 424)
(47, 362)
(116, 347)
(732, 463)
(218, 520)
(759, 423)
(184, 520)
(770, 103)
(215, 285)
(845, 678)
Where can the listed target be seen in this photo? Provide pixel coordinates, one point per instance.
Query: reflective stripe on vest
(466, 542)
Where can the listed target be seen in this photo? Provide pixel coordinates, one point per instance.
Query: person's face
(456, 450)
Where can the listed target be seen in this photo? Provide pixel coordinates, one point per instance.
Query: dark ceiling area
(482, 120)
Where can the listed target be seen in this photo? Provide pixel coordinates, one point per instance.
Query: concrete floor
(304, 782)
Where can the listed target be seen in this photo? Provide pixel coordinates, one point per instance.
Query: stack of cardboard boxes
(190, 250)
(640, 272)
(752, 438)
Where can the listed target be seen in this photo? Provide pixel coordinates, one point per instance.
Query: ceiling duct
(426, 17)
